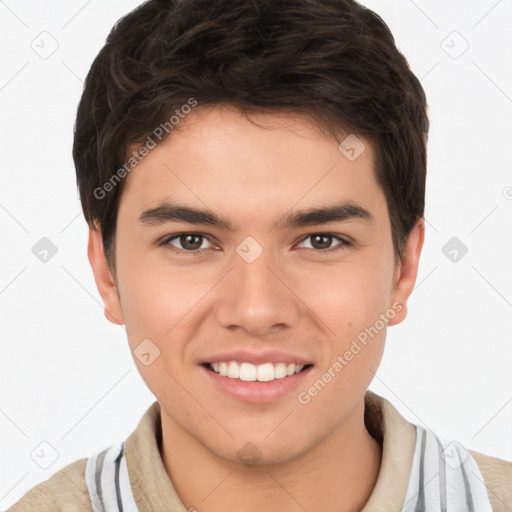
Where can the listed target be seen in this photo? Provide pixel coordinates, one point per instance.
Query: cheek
(351, 302)
(347, 297)
(155, 307)
(156, 296)
(165, 306)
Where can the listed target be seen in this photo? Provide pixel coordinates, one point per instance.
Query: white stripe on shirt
(107, 479)
(444, 477)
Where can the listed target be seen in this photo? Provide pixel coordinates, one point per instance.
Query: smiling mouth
(248, 372)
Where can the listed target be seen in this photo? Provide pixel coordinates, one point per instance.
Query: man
(253, 175)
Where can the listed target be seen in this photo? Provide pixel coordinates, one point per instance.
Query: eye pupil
(324, 245)
(185, 239)
(191, 242)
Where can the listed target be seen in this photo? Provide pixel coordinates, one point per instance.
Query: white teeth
(265, 372)
(247, 371)
(233, 370)
(279, 370)
(250, 373)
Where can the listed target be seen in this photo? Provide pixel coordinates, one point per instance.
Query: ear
(407, 271)
(103, 277)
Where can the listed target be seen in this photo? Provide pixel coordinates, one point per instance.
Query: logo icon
(146, 352)
(249, 250)
(454, 45)
(352, 147)
(44, 455)
(454, 249)
(44, 250)
(45, 45)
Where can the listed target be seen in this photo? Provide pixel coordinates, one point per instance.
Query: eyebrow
(170, 212)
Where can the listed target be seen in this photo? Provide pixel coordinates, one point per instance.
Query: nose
(256, 297)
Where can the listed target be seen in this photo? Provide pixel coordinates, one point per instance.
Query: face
(262, 285)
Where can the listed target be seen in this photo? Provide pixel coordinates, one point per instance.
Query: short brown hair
(333, 61)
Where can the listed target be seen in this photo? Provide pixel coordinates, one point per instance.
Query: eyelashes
(343, 242)
(184, 238)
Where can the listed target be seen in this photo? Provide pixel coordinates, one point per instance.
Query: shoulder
(497, 474)
(64, 490)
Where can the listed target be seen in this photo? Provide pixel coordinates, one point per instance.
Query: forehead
(220, 158)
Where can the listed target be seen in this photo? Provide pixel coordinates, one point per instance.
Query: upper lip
(257, 357)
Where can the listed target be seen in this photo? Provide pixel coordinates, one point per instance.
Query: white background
(67, 376)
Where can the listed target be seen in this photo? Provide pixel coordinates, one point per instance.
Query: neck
(338, 474)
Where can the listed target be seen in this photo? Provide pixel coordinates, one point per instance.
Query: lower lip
(256, 392)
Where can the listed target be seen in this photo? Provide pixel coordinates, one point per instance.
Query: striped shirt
(106, 475)
(444, 478)
(419, 472)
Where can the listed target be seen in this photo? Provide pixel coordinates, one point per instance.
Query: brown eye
(186, 242)
(191, 241)
(323, 242)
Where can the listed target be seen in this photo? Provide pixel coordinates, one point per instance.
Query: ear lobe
(103, 277)
(407, 272)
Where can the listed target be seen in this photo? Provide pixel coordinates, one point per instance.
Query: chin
(259, 452)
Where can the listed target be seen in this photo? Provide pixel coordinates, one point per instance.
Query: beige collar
(397, 455)
(153, 490)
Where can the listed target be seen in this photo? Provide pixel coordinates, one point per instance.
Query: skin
(317, 456)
